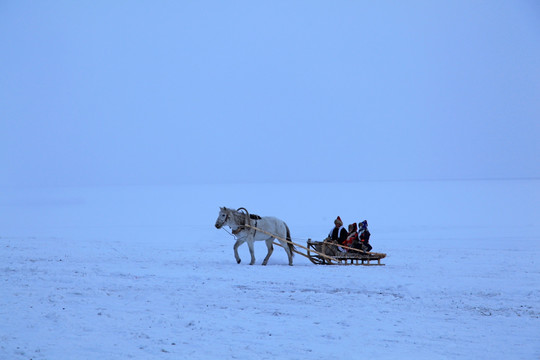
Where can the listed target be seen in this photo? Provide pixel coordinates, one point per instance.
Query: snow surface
(141, 273)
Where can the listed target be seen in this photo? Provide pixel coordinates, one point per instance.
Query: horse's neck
(239, 218)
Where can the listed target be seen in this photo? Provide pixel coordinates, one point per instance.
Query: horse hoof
(238, 261)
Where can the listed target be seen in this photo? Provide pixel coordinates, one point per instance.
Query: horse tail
(290, 244)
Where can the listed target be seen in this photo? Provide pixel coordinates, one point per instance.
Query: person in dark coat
(364, 236)
(337, 236)
(338, 233)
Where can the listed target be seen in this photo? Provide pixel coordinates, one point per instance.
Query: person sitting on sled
(337, 236)
(364, 235)
(353, 235)
(338, 233)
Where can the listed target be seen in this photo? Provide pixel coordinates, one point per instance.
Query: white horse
(238, 220)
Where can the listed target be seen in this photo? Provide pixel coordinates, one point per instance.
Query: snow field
(142, 273)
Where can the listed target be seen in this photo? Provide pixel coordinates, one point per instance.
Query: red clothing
(350, 239)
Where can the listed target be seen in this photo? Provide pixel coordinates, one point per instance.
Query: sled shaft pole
(296, 251)
(290, 242)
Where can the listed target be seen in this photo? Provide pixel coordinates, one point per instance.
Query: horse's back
(273, 224)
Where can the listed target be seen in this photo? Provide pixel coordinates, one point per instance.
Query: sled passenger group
(341, 240)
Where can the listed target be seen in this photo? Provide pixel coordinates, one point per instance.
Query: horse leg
(290, 255)
(236, 245)
(270, 248)
(288, 251)
(252, 252)
(290, 246)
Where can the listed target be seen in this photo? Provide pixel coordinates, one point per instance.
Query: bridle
(224, 221)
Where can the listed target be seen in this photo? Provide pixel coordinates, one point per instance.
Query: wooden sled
(351, 257)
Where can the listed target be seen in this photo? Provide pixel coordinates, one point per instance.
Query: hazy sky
(166, 92)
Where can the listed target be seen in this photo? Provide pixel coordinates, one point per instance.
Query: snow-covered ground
(141, 273)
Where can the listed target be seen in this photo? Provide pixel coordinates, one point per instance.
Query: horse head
(222, 218)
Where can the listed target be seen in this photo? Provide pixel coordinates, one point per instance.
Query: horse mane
(240, 218)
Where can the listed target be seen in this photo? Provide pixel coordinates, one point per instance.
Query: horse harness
(248, 219)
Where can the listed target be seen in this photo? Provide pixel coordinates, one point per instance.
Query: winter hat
(338, 221)
(363, 224)
(352, 227)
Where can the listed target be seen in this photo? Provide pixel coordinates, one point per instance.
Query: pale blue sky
(146, 92)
